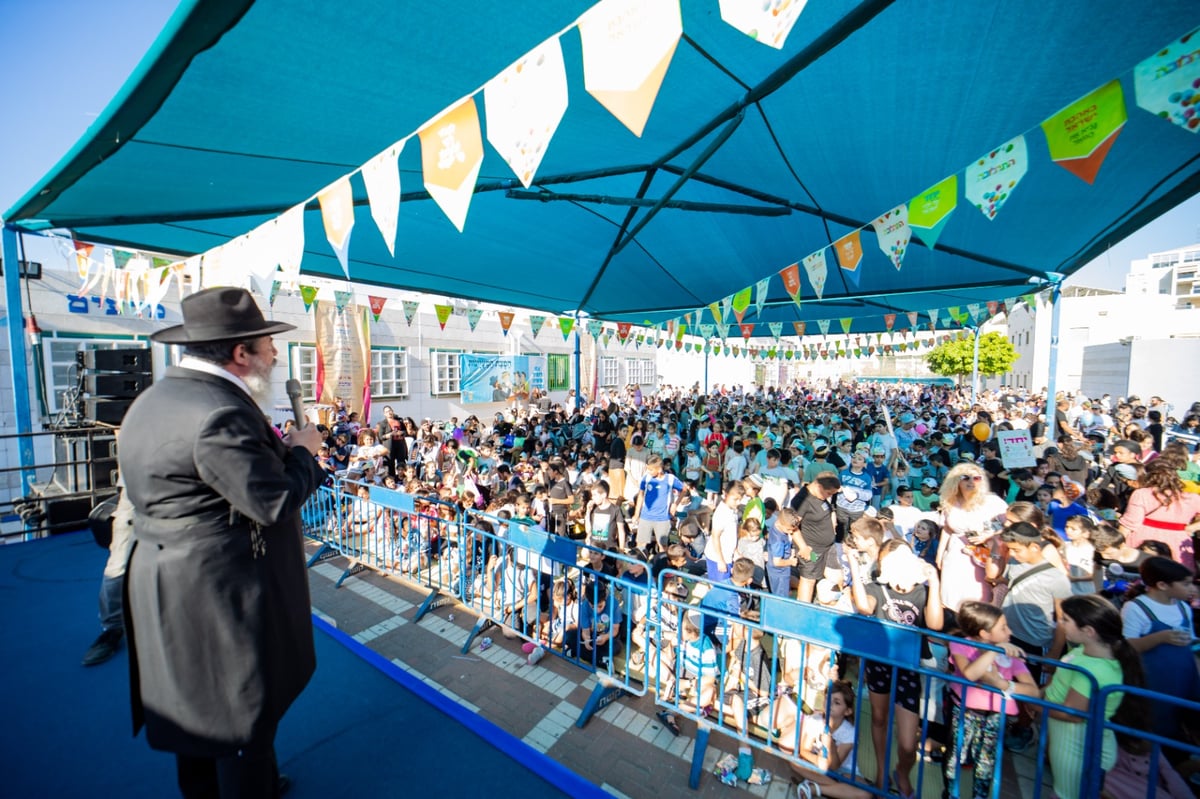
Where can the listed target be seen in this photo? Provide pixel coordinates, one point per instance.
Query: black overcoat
(217, 602)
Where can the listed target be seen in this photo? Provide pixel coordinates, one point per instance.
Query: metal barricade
(1170, 714)
(551, 591)
(759, 668)
(414, 538)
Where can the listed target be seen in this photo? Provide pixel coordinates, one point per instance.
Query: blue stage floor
(356, 731)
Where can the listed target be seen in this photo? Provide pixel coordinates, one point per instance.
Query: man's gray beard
(260, 389)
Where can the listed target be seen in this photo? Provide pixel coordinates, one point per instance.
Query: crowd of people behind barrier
(886, 501)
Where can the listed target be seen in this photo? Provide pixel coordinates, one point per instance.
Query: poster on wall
(500, 378)
(343, 357)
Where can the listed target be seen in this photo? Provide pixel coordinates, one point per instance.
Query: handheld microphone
(293, 391)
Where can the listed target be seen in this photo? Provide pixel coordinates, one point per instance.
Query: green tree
(955, 358)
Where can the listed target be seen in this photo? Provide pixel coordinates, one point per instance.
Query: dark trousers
(250, 774)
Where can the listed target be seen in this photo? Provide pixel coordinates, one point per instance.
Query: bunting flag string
(382, 176)
(535, 324)
(342, 298)
(309, 295)
(623, 329)
(566, 324)
(443, 314)
(627, 47)
(741, 303)
(525, 104)
(760, 295)
(337, 214)
(1167, 84)
(376, 303)
(715, 308)
(451, 155)
(473, 317)
(767, 22)
(1081, 134)
(849, 255)
(790, 275)
(817, 271)
(930, 210)
(893, 233)
(83, 258)
(410, 310)
(506, 320)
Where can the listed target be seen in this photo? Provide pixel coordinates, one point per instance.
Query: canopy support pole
(19, 370)
(1051, 383)
(975, 371)
(578, 370)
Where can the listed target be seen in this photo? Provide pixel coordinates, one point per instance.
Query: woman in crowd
(1162, 511)
(971, 514)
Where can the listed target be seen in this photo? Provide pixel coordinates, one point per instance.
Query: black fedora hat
(219, 314)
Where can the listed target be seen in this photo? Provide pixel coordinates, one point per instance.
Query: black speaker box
(64, 515)
(106, 411)
(116, 385)
(85, 462)
(128, 361)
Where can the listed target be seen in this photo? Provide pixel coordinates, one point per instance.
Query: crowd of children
(811, 494)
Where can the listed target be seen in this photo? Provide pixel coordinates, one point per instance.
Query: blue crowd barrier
(773, 667)
(412, 537)
(1156, 744)
(526, 585)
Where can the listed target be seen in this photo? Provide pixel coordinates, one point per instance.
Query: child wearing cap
(881, 476)
(925, 499)
(693, 467)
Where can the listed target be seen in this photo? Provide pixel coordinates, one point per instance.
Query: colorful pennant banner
(1081, 134)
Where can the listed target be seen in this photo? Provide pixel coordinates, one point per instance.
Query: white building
(1094, 317)
(1172, 273)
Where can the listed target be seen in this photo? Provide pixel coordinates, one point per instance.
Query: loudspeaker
(127, 361)
(85, 462)
(116, 385)
(106, 411)
(64, 515)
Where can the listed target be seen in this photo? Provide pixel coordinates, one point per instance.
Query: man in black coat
(217, 603)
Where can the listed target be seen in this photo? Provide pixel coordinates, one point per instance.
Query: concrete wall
(1162, 367)
(1086, 321)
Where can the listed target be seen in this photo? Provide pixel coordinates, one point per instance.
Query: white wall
(1086, 321)
(1146, 367)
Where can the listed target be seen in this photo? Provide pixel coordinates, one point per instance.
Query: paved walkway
(624, 748)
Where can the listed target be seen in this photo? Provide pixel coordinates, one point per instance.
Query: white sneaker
(537, 654)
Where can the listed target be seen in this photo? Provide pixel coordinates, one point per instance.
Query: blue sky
(63, 60)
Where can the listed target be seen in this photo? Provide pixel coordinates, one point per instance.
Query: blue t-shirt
(602, 623)
(779, 545)
(724, 599)
(878, 474)
(856, 491)
(656, 501)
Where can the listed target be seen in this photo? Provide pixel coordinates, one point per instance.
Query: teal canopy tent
(751, 160)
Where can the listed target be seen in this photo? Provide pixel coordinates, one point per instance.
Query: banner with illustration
(509, 379)
(343, 356)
